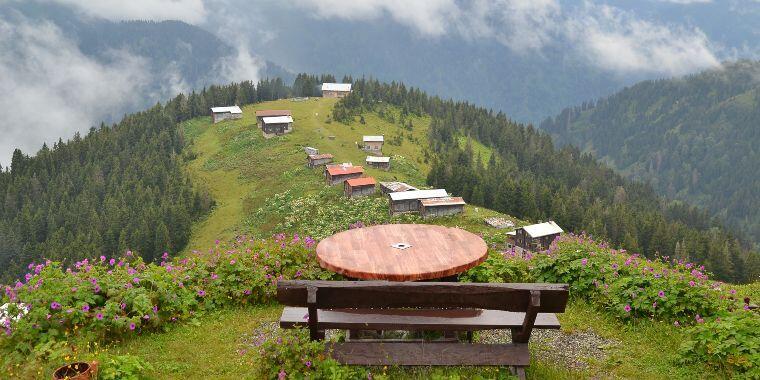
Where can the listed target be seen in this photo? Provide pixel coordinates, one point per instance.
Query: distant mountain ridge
(693, 138)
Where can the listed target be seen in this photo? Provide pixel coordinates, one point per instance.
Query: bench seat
(415, 319)
(360, 353)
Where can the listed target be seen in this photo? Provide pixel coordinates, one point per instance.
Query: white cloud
(428, 17)
(190, 11)
(52, 90)
(616, 40)
(686, 2)
(240, 67)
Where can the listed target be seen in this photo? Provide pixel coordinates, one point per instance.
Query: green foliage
(730, 342)
(499, 267)
(290, 354)
(107, 300)
(527, 177)
(694, 138)
(123, 367)
(326, 212)
(119, 186)
(628, 286)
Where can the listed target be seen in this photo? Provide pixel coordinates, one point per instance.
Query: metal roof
(343, 170)
(398, 186)
(266, 113)
(363, 181)
(373, 139)
(378, 159)
(447, 201)
(419, 194)
(542, 229)
(230, 109)
(336, 87)
(277, 119)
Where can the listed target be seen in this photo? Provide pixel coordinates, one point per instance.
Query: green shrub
(123, 367)
(105, 299)
(499, 267)
(290, 354)
(730, 342)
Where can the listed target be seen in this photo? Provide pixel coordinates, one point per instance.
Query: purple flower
(111, 262)
(146, 317)
(654, 304)
(99, 316)
(102, 258)
(136, 280)
(692, 283)
(86, 308)
(202, 293)
(308, 364)
(214, 276)
(232, 262)
(155, 309)
(97, 289)
(676, 324)
(627, 308)
(55, 305)
(661, 294)
(282, 375)
(123, 306)
(584, 261)
(165, 255)
(132, 326)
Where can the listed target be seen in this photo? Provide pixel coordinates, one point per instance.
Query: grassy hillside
(262, 185)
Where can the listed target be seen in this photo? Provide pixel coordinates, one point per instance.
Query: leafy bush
(290, 354)
(499, 267)
(325, 213)
(730, 342)
(105, 299)
(629, 286)
(123, 367)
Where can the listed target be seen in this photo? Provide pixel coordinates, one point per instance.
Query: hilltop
(263, 186)
(694, 138)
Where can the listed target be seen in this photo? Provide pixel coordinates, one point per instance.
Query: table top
(433, 252)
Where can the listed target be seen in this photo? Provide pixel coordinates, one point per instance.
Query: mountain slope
(693, 138)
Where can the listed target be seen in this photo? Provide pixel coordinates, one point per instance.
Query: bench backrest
(516, 297)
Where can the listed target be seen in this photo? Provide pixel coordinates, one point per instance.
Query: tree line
(530, 178)
(118, 187)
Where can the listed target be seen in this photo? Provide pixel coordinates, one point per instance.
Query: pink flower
(99, 316)
(676, 324)
(202, 293)
(232, 262)
(111, 262)
(102, 258)
(654, 304)
(308, 364)
(627, 308)
(661, 294)
(692, 283)
(132, 326)
(136, 280)
(86, 308)
(282, 375)
(584, 261)
(55, 305)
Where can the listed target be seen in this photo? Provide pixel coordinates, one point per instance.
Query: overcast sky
(40, 69)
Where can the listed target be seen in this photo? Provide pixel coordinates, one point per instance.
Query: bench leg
(520, 372)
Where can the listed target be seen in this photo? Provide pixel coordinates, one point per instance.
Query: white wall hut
(224, 113)
(379, 162)
(335, 90)
(409, 201)
(277, 125)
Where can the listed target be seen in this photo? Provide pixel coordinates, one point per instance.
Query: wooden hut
(395, 187)
(260, 115)
(433, 207)
(409, 201)
(373, 144)
(359, 187)
(379, 162)
(314, 160)
(335, 90)
(224, 113)
(335, 174)
(537, 237)
(277, 125)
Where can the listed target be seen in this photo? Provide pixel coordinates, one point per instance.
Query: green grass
(211, 348)
(242, 169)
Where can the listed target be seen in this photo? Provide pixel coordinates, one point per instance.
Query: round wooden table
(401, 252)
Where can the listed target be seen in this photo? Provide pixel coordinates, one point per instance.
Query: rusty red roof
(343, 170)
(364, 181)
(268, 113)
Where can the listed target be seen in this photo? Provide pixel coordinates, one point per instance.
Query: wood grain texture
(359, 353)
(436, 252)
(384, 294)
(415, 319)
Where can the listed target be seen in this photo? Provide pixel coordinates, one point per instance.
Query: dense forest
(529, 178)
(119, 187)
(694, 138)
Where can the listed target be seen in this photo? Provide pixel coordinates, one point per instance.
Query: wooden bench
(419, 306)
